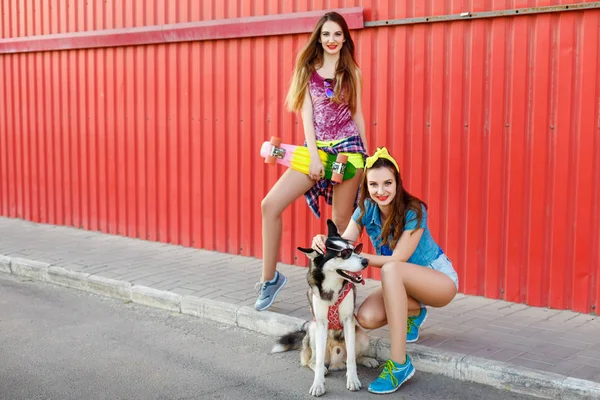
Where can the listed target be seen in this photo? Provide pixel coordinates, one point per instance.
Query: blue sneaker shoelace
(410, 325)
(388, 368)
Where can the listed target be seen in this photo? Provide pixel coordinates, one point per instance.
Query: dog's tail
(290, 341)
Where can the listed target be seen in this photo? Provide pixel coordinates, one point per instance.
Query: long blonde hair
(311, 56)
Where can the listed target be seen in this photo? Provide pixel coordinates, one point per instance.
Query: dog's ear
(358, 248)
(332, 230)
(309, 252)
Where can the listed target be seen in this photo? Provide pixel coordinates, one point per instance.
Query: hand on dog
(318, 243)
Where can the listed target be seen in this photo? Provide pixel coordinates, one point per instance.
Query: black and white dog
(333, 333)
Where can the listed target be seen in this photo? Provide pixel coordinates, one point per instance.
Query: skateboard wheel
(338, 168)
(275, 142)
(337, 177)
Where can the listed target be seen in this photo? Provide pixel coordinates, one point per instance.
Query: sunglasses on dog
(347, 253)
(328, 83)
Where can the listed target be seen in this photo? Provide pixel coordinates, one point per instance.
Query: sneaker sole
(269, 304)
(417, 338)
(397, 387)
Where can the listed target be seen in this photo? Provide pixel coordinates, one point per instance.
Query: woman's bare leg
(342, 205)
(373, 316)
(399, 281)
(288, 188)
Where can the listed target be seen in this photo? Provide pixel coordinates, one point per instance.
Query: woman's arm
(404, 249)
(358, 115)
(309, 126)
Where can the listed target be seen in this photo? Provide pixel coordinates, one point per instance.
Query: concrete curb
(5, 264)
(497, 374)
(108, 287)
(29, 268)
(68, 278)
(156, 298)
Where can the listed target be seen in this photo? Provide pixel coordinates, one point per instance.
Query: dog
(332, 335)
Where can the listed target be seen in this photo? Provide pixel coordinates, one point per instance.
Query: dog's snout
(364, 262)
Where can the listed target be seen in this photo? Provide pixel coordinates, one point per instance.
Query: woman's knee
(392, 270)
(370, 319)
(269, 207)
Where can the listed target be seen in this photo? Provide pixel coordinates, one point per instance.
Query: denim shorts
(444, 265)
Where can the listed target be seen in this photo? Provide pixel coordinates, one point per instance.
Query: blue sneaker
(268, 290)
(392, 376)
(414, 324)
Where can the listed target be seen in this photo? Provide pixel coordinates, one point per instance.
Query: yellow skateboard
(337, 167)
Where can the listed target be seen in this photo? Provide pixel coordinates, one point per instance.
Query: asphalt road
(58, 343)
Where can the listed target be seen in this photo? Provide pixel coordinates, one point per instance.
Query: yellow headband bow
(380, 153)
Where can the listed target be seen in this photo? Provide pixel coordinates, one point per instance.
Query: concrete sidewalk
(538, 351)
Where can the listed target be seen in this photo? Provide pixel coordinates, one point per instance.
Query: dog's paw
(368, 362)
(317, 389)
(353, 383)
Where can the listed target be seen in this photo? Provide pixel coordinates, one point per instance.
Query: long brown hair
(311, 57)
(402, 203)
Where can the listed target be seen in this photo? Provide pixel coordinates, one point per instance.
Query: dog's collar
(340, 292)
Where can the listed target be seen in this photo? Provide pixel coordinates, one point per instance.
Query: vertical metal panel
(495, 123)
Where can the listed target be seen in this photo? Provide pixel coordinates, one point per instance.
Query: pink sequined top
(332, 121)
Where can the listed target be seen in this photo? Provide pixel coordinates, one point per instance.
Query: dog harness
(333, 313)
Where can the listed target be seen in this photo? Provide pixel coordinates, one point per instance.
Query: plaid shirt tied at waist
(324, 187)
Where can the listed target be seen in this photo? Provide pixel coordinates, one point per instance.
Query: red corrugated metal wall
(495, 123)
